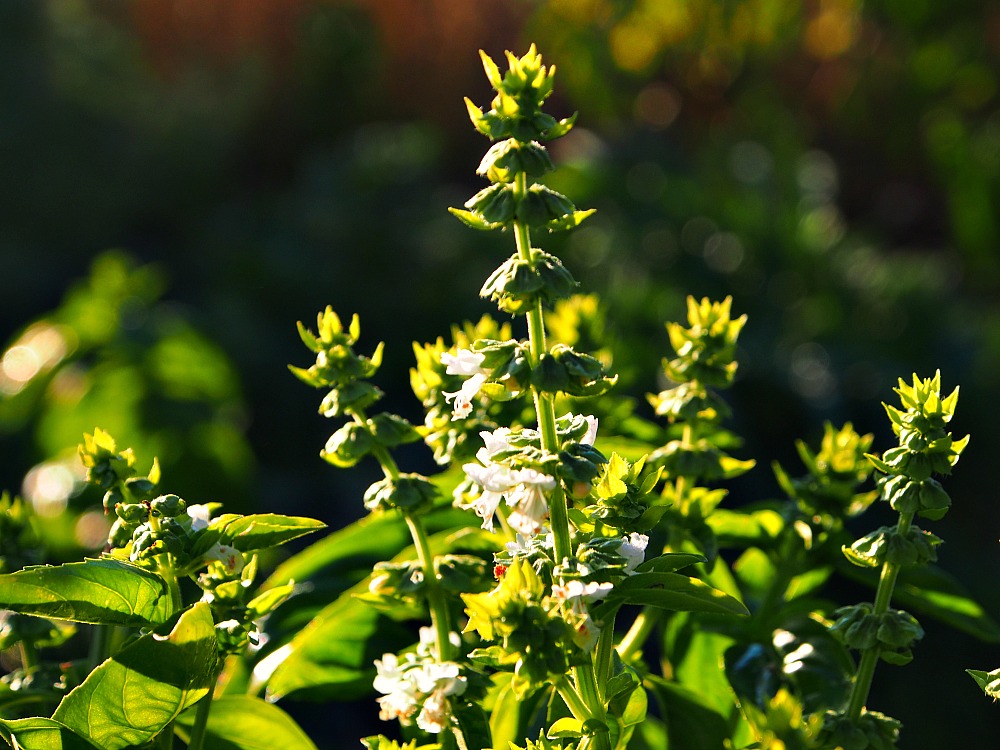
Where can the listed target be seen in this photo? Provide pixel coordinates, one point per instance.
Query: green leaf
(102, 591)
(669, 562)
(263, 530)
(690, 723)
(333, 656)
(989, 682)
(565, 727)
(474, 220)
(41, 734)
(133, 696)
(669, 591)
(241, 722)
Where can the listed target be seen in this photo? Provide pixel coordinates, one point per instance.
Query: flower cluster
(418, 687)
(510, 470)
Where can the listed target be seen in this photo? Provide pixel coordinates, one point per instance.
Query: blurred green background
(833, 164)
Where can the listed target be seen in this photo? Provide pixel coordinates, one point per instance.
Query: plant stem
(586, 683)
(869, 659)
(435, 599)
(572, 698)
(603, 656)
(544, 406)
(642, 628)
(200, 723)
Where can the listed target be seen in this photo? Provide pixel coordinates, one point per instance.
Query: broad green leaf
(100, 591)
(41, 734)
(355, 547)
(470, 727)
(568, 726)
(333, 656)
(669, 591)
(133, 696)
(241, 722)
(263, 530)
(690, 723)
(669, 562)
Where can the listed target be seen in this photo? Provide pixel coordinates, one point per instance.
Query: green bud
(887, 544)
(871, 731)
(131, 513)
(390, 430)
(407, 491)
(113, 498)
(348, 445)
(120, 533)
(139, 486)
(168, 505)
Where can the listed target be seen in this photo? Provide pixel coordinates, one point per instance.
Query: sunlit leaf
(103, 590)
(241, 722)
(41, 734)
(263, 530)
(133, 696)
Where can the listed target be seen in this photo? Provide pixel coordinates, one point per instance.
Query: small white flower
(461, 399)
(463, 362)
(591, 435)
(633, 549)
(200, 516)
(519, 547)
(494, 443)
(575, 594)
(529, 500)
(434, 713)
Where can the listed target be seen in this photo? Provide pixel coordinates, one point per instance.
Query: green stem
(586, 684)
(869, 659)
(572, 699)
(197, 740)
(544, 405)
(603, 655)
(100, 645)
(435, 597)
(638, 634)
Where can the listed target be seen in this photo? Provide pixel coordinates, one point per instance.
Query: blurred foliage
(113, 353)
(834, 165)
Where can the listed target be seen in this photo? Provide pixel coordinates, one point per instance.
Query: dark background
(833, 165)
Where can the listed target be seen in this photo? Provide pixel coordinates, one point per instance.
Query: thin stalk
(572, 699)
(586, 684)
(197, 740)
(544, 406)
(435, 599)
(603, 656)
(100, 645)
(869, 659)
(436, 603)
(637, 635)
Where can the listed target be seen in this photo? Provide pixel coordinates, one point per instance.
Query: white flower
(494, 443)
(530, 501)
(463, 362)
(200, 516)
(434, 713)
(496, 480)
(633, 549)
(575, 595)
(591, 435)
(413, 684)
(468, 363)
(461, 399)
